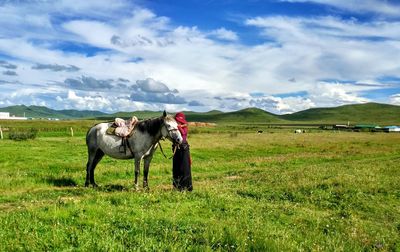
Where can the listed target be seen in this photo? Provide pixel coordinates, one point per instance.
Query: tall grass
(23, 135)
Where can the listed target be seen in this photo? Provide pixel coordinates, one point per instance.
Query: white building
(6, 116)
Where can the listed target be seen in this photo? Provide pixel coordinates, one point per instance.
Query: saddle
(124, 129)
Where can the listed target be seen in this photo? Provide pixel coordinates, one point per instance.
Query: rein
(162, 151)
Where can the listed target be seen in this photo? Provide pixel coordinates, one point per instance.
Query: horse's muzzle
(178, 140)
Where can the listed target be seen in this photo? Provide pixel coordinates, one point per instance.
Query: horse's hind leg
(91, 156)
(137, 172)
(94, 158)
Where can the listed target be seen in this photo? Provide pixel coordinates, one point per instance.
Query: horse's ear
(164, 114)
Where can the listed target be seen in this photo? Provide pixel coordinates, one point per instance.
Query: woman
(181, 165)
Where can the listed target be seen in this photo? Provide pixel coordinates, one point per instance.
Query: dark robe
(181, 165)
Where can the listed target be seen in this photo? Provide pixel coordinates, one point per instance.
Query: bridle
(176, 146)
(168, 131)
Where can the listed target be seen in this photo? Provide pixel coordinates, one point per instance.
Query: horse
(142, 144)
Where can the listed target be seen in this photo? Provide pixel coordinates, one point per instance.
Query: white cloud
(329, 94)
(100, 33)
(319, 48)
(107, 103)
(88, 102)
(55, 67)
(395, 99)
(5, 103)
(280, 105)
(98, 8)
(224, 34)
(359, 6)
(323, 26)
(200, 64)
(152, 86)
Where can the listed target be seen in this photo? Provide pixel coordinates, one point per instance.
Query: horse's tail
(89, 134)
(90, 130)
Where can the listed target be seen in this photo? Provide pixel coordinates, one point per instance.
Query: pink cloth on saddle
(124, 128)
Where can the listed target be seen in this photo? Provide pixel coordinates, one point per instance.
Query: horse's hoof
(136, 187)
(95, 185)
(87, 184)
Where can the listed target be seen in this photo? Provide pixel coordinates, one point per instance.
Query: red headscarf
(180, 117)
(182, 124)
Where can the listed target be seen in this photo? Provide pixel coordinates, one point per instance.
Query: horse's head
(170, 129)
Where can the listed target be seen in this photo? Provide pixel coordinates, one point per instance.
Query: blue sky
(282, 56)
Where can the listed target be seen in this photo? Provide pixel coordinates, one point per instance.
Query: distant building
(366, 126)
(392, 129)
(6, 116)
(342, 126)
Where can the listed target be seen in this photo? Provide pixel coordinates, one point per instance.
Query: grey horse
(142, 144)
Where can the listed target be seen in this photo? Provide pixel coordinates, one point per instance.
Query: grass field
(319, 191)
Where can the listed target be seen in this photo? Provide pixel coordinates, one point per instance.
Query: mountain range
(371, 113)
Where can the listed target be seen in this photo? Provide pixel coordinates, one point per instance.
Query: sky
(281, 56)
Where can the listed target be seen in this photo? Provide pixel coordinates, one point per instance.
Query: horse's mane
(152, 126)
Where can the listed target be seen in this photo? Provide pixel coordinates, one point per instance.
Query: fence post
(1, 133)
(72, 132)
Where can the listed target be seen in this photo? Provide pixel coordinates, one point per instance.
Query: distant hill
(81, 113)
(374, 113)
(246, 116)
(249, 115)
(44, 112)
(139, 114)
(368, 113)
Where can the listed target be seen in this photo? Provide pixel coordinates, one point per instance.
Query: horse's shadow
(69, 182)
(61, 182)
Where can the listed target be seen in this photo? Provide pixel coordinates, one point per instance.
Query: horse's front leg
(147, 161)
(137, 171)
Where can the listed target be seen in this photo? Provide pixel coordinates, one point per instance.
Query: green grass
(48, 128)
(276, 191)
